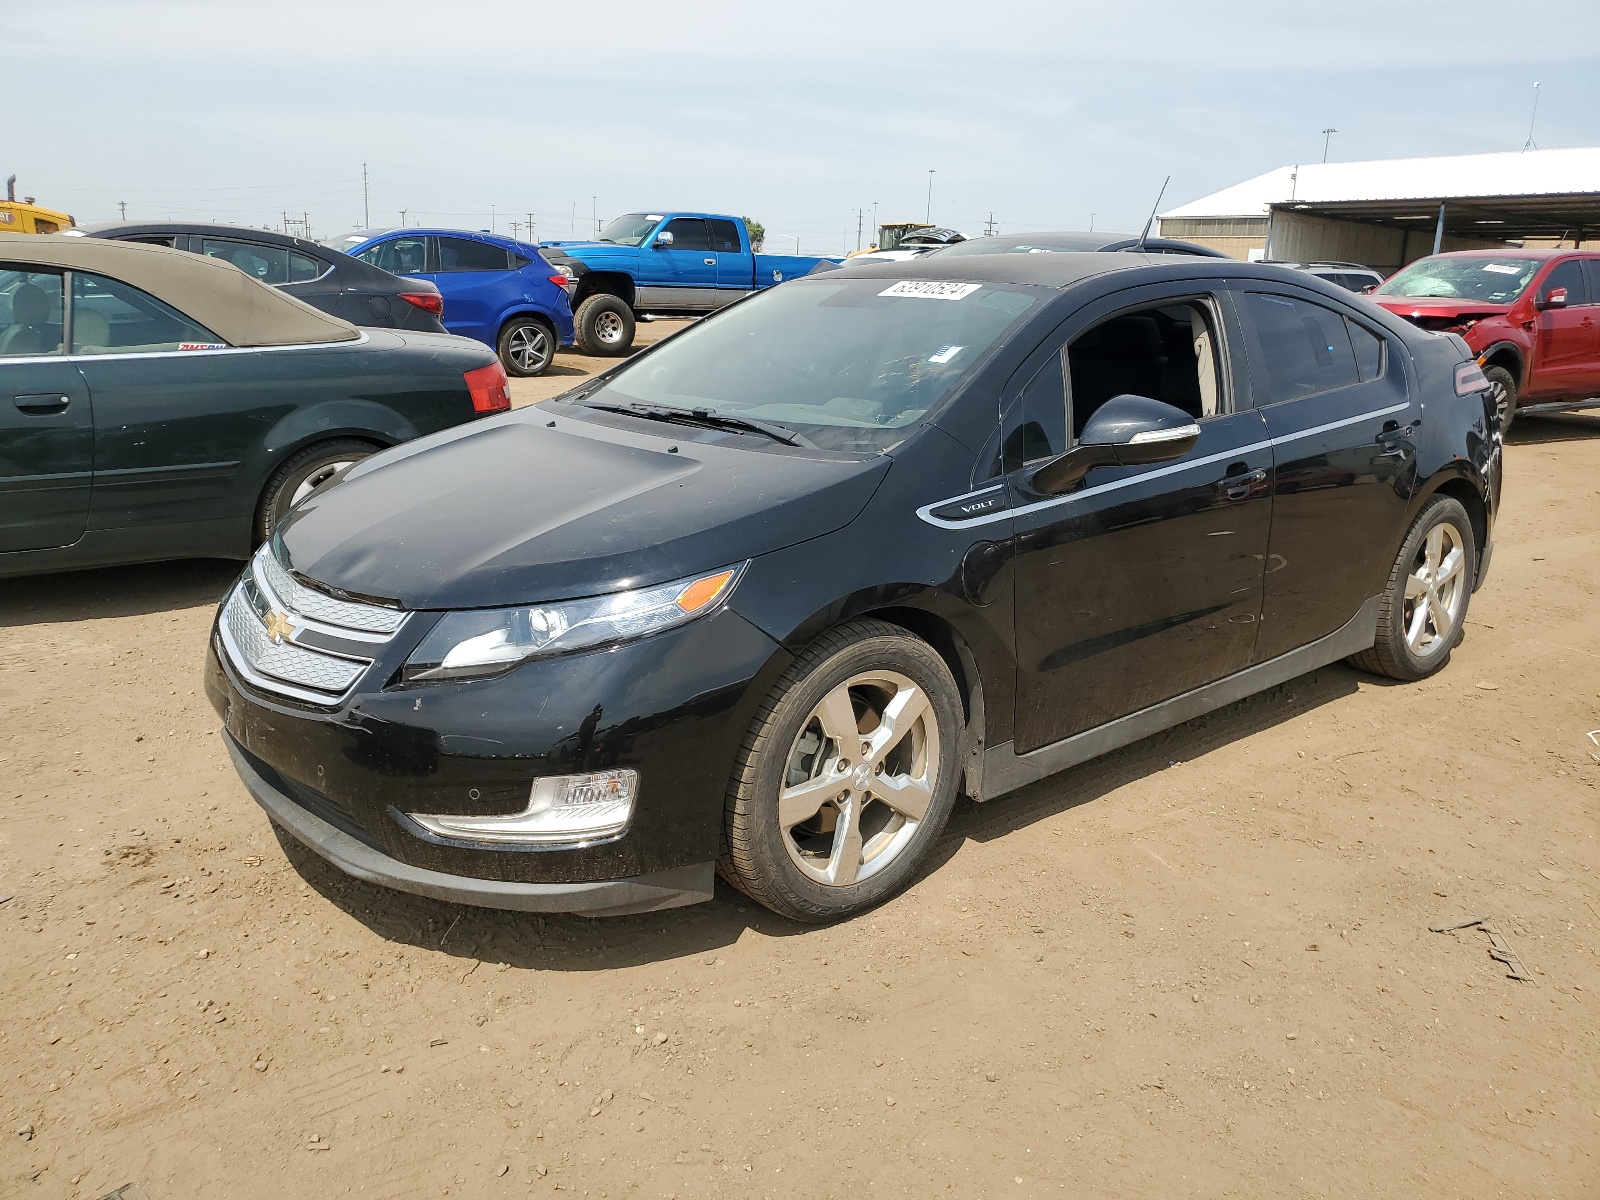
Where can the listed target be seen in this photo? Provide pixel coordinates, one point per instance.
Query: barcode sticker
(931, 289)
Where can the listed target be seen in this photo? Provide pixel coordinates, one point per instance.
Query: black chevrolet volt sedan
(760, 601)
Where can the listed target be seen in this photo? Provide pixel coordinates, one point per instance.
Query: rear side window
(464, 254)
(31, 311)
(1369, 351)
(109, 317)
(399, 256)
(156, 239)
(724, 237)
(269, 264)
(1305, 348)
(303, 268)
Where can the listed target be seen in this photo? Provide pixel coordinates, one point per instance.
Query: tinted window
(400, 256)
(155, 239)
(303, 267)
(31, 312)
(688, 233)
(269, 264)
(109, 317)
(1169, 353)
(1369, 351)
(1568, 275)
(724, 237)
(1304, 347)
(1043, 431)
(464, 254)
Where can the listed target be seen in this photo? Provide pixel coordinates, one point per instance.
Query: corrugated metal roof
(1463, 176)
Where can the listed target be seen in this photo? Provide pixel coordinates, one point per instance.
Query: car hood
(1431, 306)
(591, 250)
(511, 511)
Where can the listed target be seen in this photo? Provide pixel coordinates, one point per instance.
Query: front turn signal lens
(703, 592)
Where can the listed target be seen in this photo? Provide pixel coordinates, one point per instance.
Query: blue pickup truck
(661, 265)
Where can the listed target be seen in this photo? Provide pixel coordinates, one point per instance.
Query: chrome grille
(268, 614)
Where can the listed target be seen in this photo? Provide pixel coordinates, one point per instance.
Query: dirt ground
(1198, 967)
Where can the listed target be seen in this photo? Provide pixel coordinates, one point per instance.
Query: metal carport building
(1388, 212)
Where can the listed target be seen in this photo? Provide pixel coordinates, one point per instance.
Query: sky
(476, 113)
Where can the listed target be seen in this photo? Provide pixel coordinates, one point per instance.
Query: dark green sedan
(156, 404)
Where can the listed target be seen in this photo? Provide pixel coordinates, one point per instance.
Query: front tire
(846, 777)
(302, 474)
(527, 347)
(604, 326)
(1503, 391)
(1424, 607)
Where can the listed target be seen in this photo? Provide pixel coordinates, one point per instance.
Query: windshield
(849, 365)
(344, 241)
(1487, 280)
(629, 230)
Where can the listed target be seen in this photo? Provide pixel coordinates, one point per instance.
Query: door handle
(711, 262)
(1237, 484)
(43, 404)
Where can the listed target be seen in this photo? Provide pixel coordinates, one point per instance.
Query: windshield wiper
(707, 417)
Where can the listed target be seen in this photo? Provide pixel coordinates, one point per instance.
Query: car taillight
(491, 390)
(560, 281)
(1470, 379)
(431, 302)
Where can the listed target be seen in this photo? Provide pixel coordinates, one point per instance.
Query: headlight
(473, 643)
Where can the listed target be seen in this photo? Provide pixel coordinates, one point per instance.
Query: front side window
(1166, 352)
(1498, 280)
(1305, 348)
(724, 237)
(110, 317)
(464, 254)
(688, 233)
(31, 312)
(851, 365)
(1568, 275)
(268, 264)
(1042, 432)
(398, 256)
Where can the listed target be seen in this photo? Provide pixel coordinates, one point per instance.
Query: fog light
(561, 809)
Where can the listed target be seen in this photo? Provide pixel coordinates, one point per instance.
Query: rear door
(1335, 396)
(46, 424)
(477, 281)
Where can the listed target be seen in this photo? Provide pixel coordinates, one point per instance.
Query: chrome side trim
(926, 511)
(56, 358)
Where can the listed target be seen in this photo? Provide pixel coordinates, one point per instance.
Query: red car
(1531, 316)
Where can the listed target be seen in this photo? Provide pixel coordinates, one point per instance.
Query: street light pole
(1326, 134)
(928, 216)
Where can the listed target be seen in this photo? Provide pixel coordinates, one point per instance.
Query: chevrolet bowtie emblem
(279, 627)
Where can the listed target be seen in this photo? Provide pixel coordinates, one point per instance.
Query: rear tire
(527, 347)
(302, 474)
(1424, 607)
(1503, 391)
(846, 777)
(604, 326)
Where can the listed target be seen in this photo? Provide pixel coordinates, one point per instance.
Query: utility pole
(1092, 216)
(286, 220)
(491, 218)
(875, 224)
(531, 236)
(574, 228)
(1530, 144)
(989, 228)
(366, 203)
(123, 205)
(859, 215)
(1326, 134)
(402, 218)
(595, 213)
(305, 225)
(928, 216)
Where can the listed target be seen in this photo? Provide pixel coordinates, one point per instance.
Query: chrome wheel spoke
(804, 800)
(1417, 630)
(844, 863)
(1435, 550)
(908, 795)
(1416, 587)
(837, 716)
(900, 716)
(1450, 567)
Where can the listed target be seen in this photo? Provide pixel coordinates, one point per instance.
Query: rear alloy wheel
(527, 347)
(1424, 609)
(1503, 391)
(303, 474)
(846, 777)
(604, 325)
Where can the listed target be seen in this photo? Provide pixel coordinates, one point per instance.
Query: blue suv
(496, 290)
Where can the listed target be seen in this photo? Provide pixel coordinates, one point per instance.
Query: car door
(1143, 582)
(46, 423)
(176, 414)
(477, 282)
(685, 270)
(1336, 399)
(1563, 336)
(734, 271)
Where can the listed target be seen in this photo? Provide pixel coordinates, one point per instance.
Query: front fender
(1505, 348)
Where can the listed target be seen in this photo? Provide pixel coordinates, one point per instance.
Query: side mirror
(1554, 298)
(663, 239)
(1369, 289)
(1125, 431)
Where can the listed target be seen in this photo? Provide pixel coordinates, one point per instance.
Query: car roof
(1511, 252)
(482, 235)
(119, 229)
(1060, 270)
(240, 310)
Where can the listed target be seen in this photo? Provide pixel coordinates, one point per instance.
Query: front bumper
(353, 856)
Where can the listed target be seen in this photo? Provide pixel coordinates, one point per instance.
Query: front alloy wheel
(847, 775)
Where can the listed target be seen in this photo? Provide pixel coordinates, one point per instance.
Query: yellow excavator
(24, 216)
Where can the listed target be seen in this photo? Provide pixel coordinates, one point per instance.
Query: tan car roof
(240, 310)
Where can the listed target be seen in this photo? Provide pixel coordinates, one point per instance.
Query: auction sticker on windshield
(1502, 269)
(931, 289)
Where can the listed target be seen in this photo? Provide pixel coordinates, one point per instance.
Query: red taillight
(491, 390)
(560, 281)
(1470, 378)
(430, 302)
